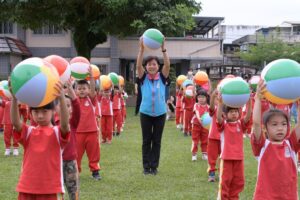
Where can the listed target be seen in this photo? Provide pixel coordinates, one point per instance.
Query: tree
(90, 21)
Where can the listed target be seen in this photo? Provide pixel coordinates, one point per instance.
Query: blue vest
(153, 97)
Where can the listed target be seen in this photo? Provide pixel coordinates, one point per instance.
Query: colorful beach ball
(121, 80)
(33, 81)
(114, 78)
(189, 91)
(180, 79)
(201, 78)
(254, 81)
(105, 82)
(62, 66)
(223, 81)
(235, 92)
(282, 78)
(153, 38)
(79, 67)
(186, 83)
(96, 72)
(4, 89)
(206, 120)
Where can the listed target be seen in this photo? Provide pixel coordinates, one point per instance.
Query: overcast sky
(252, 12)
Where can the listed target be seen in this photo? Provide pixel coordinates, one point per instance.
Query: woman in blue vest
(153, 106)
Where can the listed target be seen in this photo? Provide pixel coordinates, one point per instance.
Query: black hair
(116, 87)
(49, 106)
(82, 82)
(202, 93)
(226, 109)
(271, 113)
(150, 58)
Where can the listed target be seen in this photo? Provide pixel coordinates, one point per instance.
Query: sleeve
(244, 125)
(63, 139)
(212, 112)
(21, 136)
(163, 78)
(94, 100)
(221, 126)
(257, 145)
(293, 140)
(75, 118)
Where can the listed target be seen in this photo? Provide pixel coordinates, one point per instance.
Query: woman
(153, 107)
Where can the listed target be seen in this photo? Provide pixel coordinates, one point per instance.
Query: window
(48, 30)
(6, 28)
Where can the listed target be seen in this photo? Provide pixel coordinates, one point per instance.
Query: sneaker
(146, 171)
(194, 157)
(96, 175)
(117, 134)
(154, 171)
(7, 152)
(204, 156)
(16, 152)
(211, 177)
(178, 126)
(114, 133)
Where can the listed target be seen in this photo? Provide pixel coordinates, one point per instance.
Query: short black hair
(150, 58)
(226, 109)
(49, 106)
(82, 82)
(272, 112)
(116, 87)
(202, 93)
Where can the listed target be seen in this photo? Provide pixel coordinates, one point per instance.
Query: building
(199, 46)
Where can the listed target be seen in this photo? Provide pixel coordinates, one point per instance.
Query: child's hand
(214, 94)
(10, 89)
(260, 90)
(59, 89)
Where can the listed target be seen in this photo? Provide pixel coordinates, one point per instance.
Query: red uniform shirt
(117, 101)
(214, 132)
(277, 168)
(232, 139)
(178, 100)
(70, 151)
(106, 105)
(87, 121)
(42, 162)
(6, 113)
(201, 109)
(188, 103)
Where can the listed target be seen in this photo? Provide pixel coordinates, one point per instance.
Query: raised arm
(64, 113)
(70, 89)
(212, 99)
(248, 111)
(220, 110)
(14, 114)
(139, 61)
(92, 83)
(166, 68)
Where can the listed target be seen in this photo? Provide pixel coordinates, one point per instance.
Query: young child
(232, 157)
(1, 116)
(275, 150)
(199, 133)
(70, 170)
(107, 116)
(178, 113)
(87, 131)
(8, 129)
(171, 108)
(41, 175)
(123, 105)
(117, 114)
(187, 106)
(214, 143)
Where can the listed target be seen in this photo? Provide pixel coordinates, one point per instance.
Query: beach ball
(201, 78)
(61, 65)
(4, 89)
(153, 38)
(105, 82)
(114, 78)
(206, 120)
(223, 81)
(96, 72)
(33, 81)
(186, 83)
(121, 80)
(189, 91)
(235, 92)
(180, 79)
(282, 78)
(79, 67)
(254, 81)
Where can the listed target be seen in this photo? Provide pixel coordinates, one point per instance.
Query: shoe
(194, 157)
(117, 134)
(204, 156)
(146, 171)
(211, 177)
(7, 152)
(16, 152)
(114, 133)
(185, 134)
(96, 175)
(154, 171)
(178, 126)
(122, 129)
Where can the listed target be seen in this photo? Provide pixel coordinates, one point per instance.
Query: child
(214, 143)
(70, 170)
(1, 116)
(170, 108)
(117, 114)
(8, 129)
(275, 151)
(232, 157)
(87, 131)
(123, 105)
(187, 106)
(107, 116)
(199, 133)
(41, 175)
(178, 113)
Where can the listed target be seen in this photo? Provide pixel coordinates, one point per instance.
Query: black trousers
(152, 129)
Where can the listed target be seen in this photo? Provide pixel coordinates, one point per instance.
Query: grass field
(121, 162)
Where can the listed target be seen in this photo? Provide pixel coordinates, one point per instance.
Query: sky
(252, 12)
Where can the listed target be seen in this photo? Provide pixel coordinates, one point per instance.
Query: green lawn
(121, 162)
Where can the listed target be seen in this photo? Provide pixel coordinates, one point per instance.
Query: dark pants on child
(152, 129)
